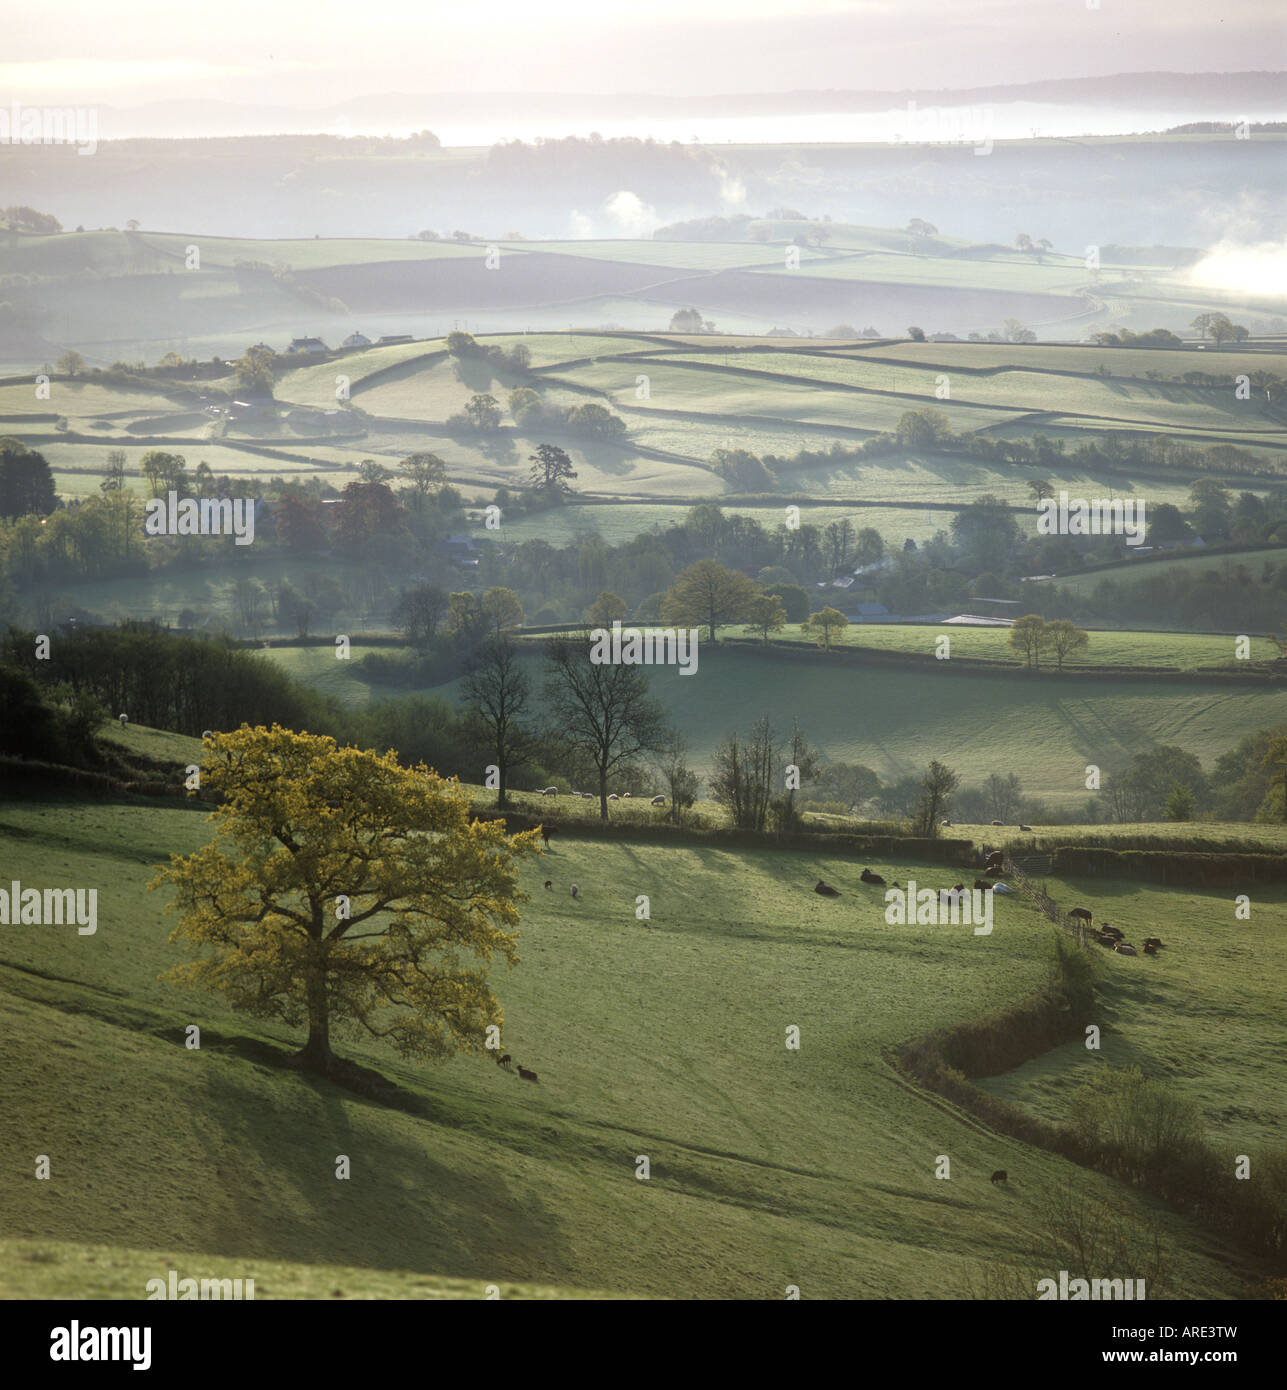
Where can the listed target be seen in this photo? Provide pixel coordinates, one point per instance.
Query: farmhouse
(356, 340)
(308, 347)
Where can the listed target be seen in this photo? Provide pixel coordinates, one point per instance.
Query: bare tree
(681, 781)
(937, 784)
(743, 778)
(604, 711)
(498, 691)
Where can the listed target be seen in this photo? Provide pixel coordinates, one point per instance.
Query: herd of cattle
(1110, 937)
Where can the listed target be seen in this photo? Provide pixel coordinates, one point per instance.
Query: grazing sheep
(1028, 828)
(1081, 914)
(612, 796)
(575, 890)
(528, 1075)
(945, 822)
(826, 889)
(549, 883)
(125, 719)
(586, 796)
(1124, 948)
(1000, 1175)
(549, 791)
(998, 822)
(625, 796)
(868, 877)
(657, 801)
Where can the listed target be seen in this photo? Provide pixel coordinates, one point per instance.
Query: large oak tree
(341, 889)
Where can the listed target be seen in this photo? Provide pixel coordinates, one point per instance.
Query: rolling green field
(703, 393)
(1185, 651)
(1204, 1014)
(1189, 565)
(894, 720)
(63, 1269)
(666, 1038)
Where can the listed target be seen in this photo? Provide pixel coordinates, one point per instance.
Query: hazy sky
(321, 51)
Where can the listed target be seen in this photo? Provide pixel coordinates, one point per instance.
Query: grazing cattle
(501, 1058)
(1028, 828)
(1152, 941)
(826, 889)
(1124, 948)
(506, 1060)
(576, 892)
(984, 885)
(546, 832)
(1081, 914)
(657, 801)
(1107, 942)
(549, 883)
(1000, 1175)
(1113, 933)
(549, 791)
(868, 877)
(528, 1075)
(1150, 949)
(958, 888)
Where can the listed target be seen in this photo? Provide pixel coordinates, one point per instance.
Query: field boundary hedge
(959, 853)
(1196, 870)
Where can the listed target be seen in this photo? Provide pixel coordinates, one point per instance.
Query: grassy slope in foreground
(62, 1269)
(663, 1038)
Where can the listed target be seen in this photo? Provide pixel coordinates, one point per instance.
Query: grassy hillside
(895, 720)
(65, 1269)
(1204, 1014)
(662, 1038)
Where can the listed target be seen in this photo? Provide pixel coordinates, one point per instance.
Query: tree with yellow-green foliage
(822, 624)
(342, 889)
(707, 593)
